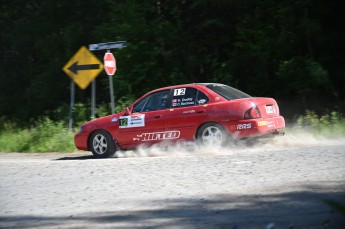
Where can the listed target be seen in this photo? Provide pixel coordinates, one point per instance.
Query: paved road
(264, 187)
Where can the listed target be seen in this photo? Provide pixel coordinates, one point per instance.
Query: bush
(328, 125)
(45, 136)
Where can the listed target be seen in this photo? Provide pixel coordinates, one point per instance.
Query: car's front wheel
(212, 134)
(102, 144)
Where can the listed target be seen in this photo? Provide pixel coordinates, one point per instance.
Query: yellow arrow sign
(83, 67)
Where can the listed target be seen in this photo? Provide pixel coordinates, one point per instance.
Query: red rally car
(208, 113)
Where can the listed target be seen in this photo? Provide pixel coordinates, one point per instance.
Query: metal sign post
(112, 94)
(93, 99)
(70, 116)
(109, 64)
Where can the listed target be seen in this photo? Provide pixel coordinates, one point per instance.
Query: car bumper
(256, 127)
(80, 141)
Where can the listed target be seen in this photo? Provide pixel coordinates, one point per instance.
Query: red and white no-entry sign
(109, 63)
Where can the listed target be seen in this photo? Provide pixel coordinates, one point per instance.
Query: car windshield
(227, 92)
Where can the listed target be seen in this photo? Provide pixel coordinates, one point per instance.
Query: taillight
(252, 113)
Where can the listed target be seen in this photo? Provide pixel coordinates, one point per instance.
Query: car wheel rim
(99, 144)
(212, 135)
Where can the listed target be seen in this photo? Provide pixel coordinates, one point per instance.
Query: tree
(266, 48)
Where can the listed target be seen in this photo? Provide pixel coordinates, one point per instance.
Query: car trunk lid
(268, 107)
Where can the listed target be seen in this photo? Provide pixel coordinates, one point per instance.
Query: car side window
(153, 102)
(201, 98)
(138, 107)
(185, 97)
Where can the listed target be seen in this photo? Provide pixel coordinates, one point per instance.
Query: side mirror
(128, 111)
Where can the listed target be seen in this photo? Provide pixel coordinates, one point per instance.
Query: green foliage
(123, 102)
(291, 49)
(266, 48)
(302, 75)
(328, 125)
(44, 136)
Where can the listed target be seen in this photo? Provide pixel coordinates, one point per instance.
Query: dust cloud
(292, 139)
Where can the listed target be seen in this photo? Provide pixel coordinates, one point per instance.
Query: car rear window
(227, 92)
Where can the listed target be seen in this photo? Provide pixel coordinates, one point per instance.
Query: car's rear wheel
(102, 144)
(212, 134)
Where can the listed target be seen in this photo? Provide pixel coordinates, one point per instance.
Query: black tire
(212, 134)
(102, 144)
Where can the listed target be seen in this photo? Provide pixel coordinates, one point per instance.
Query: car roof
(189, 85)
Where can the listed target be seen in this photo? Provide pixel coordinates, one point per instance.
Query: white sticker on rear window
(202, 101)
(179, 91)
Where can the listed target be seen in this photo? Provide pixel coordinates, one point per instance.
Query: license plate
(270, 109)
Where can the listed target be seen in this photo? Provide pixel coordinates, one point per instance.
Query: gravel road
(275, 186)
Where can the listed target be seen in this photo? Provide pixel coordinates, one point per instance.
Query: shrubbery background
(53, 136)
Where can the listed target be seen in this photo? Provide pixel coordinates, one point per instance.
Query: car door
(188, 110)
(145, 124)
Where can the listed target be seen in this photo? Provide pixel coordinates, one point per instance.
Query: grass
(52, 136)
(45, 136)
(328, 125)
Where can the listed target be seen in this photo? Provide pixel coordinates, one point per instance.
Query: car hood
(101, 122)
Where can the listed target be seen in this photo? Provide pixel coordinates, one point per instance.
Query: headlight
(80, 130)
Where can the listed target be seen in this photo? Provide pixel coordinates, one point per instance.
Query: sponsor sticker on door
(132, 121)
